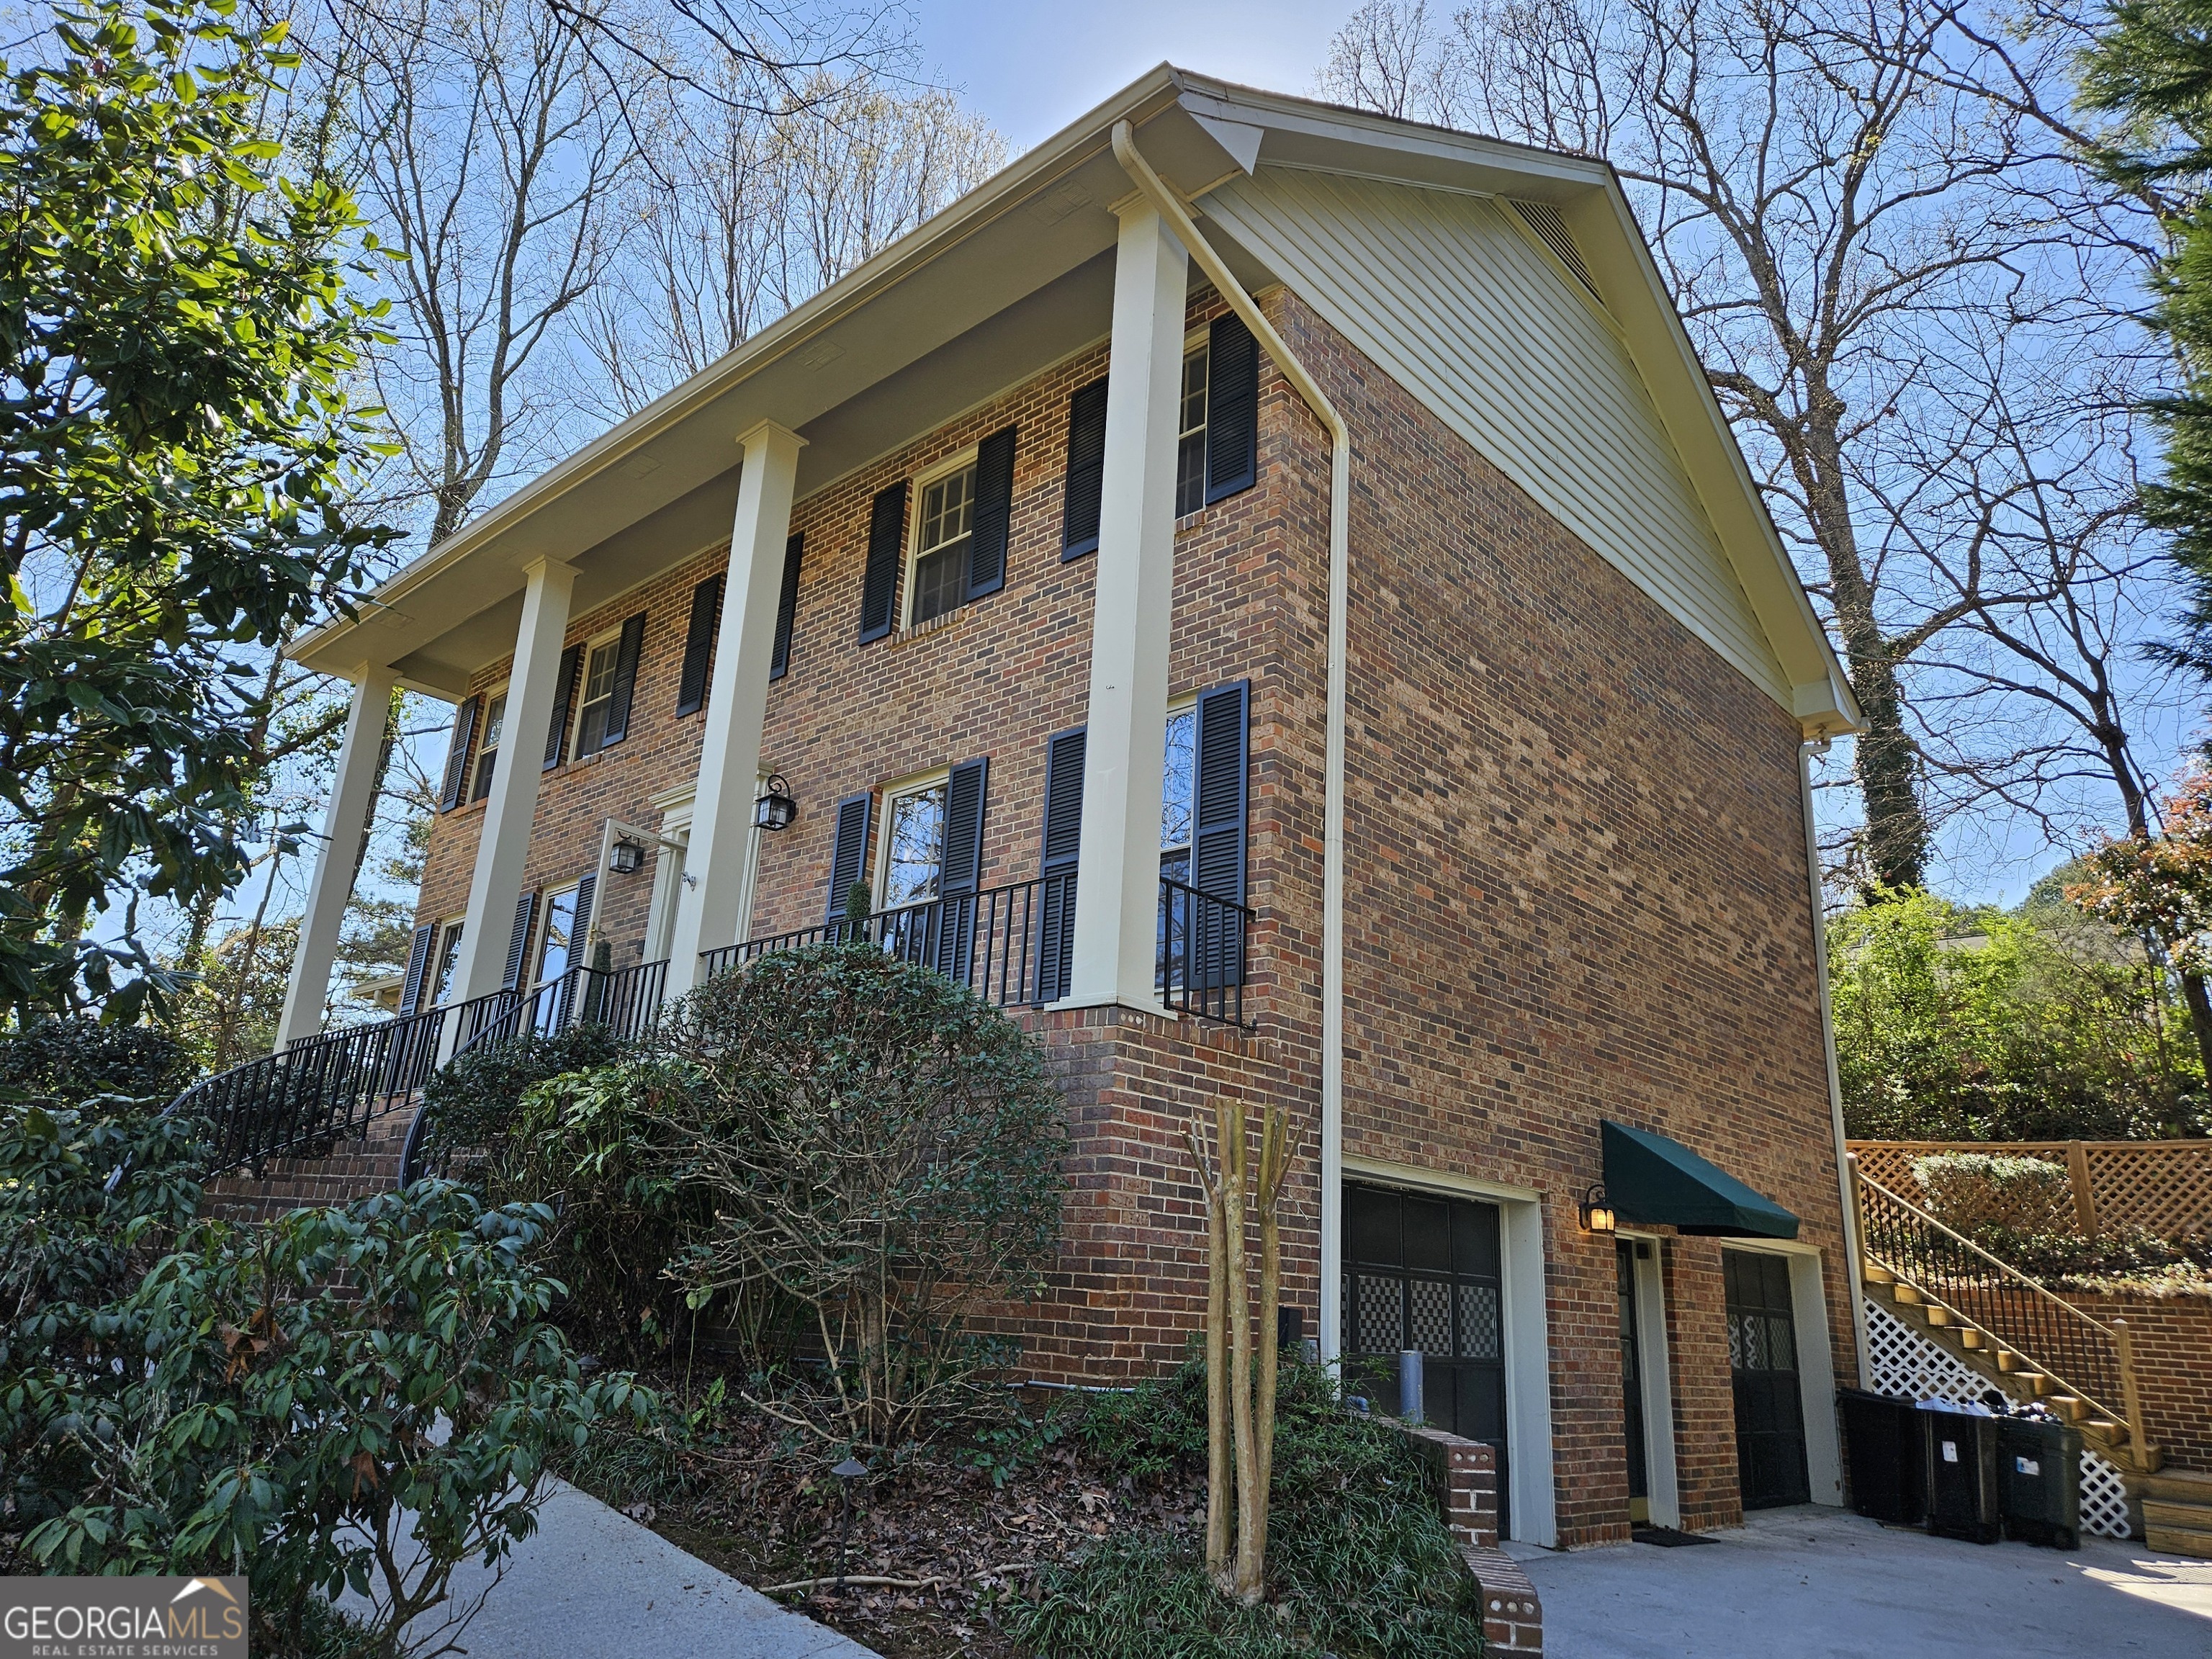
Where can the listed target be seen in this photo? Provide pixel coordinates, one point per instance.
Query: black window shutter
(962, 874)
(699, 646)
(518, 943)
(850, 854)
(787, 607)
(1222, 745)
(1232, 408)
(1063, 839)
(625, 655)
(994, 513)
(1086, 470)
(581, 927)
(456, 754)
(886, 543)
(418, 967)
(564, 703)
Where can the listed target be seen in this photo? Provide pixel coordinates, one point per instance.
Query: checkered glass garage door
(1903, 1362)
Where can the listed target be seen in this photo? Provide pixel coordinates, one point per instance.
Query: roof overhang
(1015, 275)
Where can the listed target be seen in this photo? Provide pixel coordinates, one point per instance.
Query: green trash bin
(2039, 1480)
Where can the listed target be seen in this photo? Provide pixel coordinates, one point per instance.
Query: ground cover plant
(1076, 1528)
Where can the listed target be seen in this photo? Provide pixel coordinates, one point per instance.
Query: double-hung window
(1190, 433)
(596, 701)
(912, 861)
(1178, 793)
(945, 520)
(487, 750)
(558, 951)
(449, 956)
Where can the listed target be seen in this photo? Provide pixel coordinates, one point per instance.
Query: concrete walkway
(1821, 1583)
(591, 1583)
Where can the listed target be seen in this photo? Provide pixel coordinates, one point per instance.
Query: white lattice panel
(1904, 1362)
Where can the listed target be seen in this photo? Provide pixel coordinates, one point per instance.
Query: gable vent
(1544, 219)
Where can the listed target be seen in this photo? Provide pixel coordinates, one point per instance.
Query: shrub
(879, 1148)
(1969, 1192)
(69, 1062)
(469, 1105)
(588, 1143)
(359, 1397)
(1359, 1559)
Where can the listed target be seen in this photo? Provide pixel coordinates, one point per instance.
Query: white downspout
(1170, 209)
(1805, 753)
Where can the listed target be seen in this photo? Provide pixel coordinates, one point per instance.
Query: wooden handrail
(2004, 1268)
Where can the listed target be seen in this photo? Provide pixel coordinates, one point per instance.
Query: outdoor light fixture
(625, 858)
(1596, 1210)
(775, 810)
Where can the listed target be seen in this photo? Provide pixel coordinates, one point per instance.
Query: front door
(1631, 1388)
(1421, 1272)
(1770, 1411)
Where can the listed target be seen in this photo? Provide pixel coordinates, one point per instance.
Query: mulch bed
(953, 1544)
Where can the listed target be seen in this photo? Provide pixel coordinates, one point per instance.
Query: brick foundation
(355, 1168)
(2173, 1339)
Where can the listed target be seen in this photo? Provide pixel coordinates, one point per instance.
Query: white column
(503, 839)
(1117, 894)
(709, 913)
(352, 798)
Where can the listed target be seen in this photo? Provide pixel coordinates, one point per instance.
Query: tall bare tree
(1837, 192)
(742, 214)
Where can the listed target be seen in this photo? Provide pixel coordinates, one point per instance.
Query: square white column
(503, 839)
(1117, 895)
(710, 906)
(344, 822)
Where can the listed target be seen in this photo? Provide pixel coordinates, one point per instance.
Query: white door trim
(1658, 1384)
(1530, 1474)
(1816, 1363)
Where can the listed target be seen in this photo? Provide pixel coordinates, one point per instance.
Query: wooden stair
(2012, 1374)
(2177, 1511)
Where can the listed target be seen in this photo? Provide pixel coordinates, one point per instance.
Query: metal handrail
(995, 943)
(2080, 1354)
(315, 1091)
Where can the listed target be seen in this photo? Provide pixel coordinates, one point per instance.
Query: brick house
(1264, 593)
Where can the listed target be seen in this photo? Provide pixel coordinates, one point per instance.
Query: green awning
(1662, 1182)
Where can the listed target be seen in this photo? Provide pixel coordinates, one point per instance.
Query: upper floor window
(598, 701)
(942, 529)
(1178, 793)
(1190, 437)
(487, 750)
(912, 844)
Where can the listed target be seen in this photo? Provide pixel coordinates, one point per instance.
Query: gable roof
(1018, 274)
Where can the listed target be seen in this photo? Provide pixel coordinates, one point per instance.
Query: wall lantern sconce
(625, 858)
(775, 810)
(1597, 1210)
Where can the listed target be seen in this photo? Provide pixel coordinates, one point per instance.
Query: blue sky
(1032, 69)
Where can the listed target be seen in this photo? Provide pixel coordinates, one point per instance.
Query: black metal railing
(316, 1092)
(2081, 1355)
(1202, 953)
(626, 1001)
(1011, 945)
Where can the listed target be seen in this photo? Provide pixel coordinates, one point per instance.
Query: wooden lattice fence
(2163, 1187)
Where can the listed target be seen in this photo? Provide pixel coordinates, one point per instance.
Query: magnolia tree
(2159, 885)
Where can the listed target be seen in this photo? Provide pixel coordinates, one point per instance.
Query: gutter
(1844, 1183)
(1171, 208)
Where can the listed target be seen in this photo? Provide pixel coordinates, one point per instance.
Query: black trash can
(1962, 1475)
(2039, 1481)
(1885, 1438)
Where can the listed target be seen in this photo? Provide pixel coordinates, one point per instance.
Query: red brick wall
(2173, 1337)
(1577, 882)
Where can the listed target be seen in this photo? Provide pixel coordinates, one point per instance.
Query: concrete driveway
(1821, 1583)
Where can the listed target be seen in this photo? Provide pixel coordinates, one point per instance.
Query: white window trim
(886, 794)
(917, 487)
(492, 694)
(545, 928)
(611, 637)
